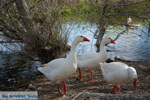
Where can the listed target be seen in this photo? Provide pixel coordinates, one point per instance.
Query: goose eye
(109, 38)
(81, 36)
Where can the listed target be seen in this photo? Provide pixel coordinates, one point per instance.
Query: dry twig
(78, 94)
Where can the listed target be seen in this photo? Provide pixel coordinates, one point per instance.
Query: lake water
(133, 45)
(13, 65)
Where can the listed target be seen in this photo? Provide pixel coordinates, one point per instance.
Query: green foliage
(86, 9)
(33, 1)
(66, 10)
(83, 7)
(81, 11)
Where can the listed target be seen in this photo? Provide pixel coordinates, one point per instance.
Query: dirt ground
(47, 90)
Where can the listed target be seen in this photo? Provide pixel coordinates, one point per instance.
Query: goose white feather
(62, 68)
(118, 73)
(92, 60)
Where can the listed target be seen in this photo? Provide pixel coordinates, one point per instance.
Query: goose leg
(119, 90)
(92, 80)
(80, 75)
(64, 87)
(58, 88)
(116, 90)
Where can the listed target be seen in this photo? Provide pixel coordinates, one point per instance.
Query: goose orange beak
(134, 83)
(86, 39)
(112, 41)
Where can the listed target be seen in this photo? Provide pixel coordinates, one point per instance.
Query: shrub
(45, 39)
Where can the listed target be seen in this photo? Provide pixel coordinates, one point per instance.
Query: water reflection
(13, 68)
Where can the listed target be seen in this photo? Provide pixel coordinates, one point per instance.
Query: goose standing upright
(91, 60)
(118, 73)
(62, 68)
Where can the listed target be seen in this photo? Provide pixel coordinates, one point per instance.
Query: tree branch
(128, 4)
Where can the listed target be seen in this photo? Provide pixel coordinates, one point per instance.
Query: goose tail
(41, 69)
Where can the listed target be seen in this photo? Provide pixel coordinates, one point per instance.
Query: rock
(39, 88)
(31, 86)
(147, 69)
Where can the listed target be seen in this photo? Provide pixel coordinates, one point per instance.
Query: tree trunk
(29, 27)
(101, 26)
(100, 37)
(149, 29)
(25, 18)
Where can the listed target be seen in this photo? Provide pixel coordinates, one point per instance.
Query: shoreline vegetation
(118, 10)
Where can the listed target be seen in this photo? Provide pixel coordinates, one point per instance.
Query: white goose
(118, 73)
(60, 69)
(91, 60)
(129, 20)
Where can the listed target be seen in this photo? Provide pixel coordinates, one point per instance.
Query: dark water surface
(14, 67)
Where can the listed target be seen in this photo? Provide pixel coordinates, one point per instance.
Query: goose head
(81, 38)
(107, 40)
(77, 40)
(132, 75)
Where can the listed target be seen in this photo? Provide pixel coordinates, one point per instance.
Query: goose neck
(102, 45)
(74, 45)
